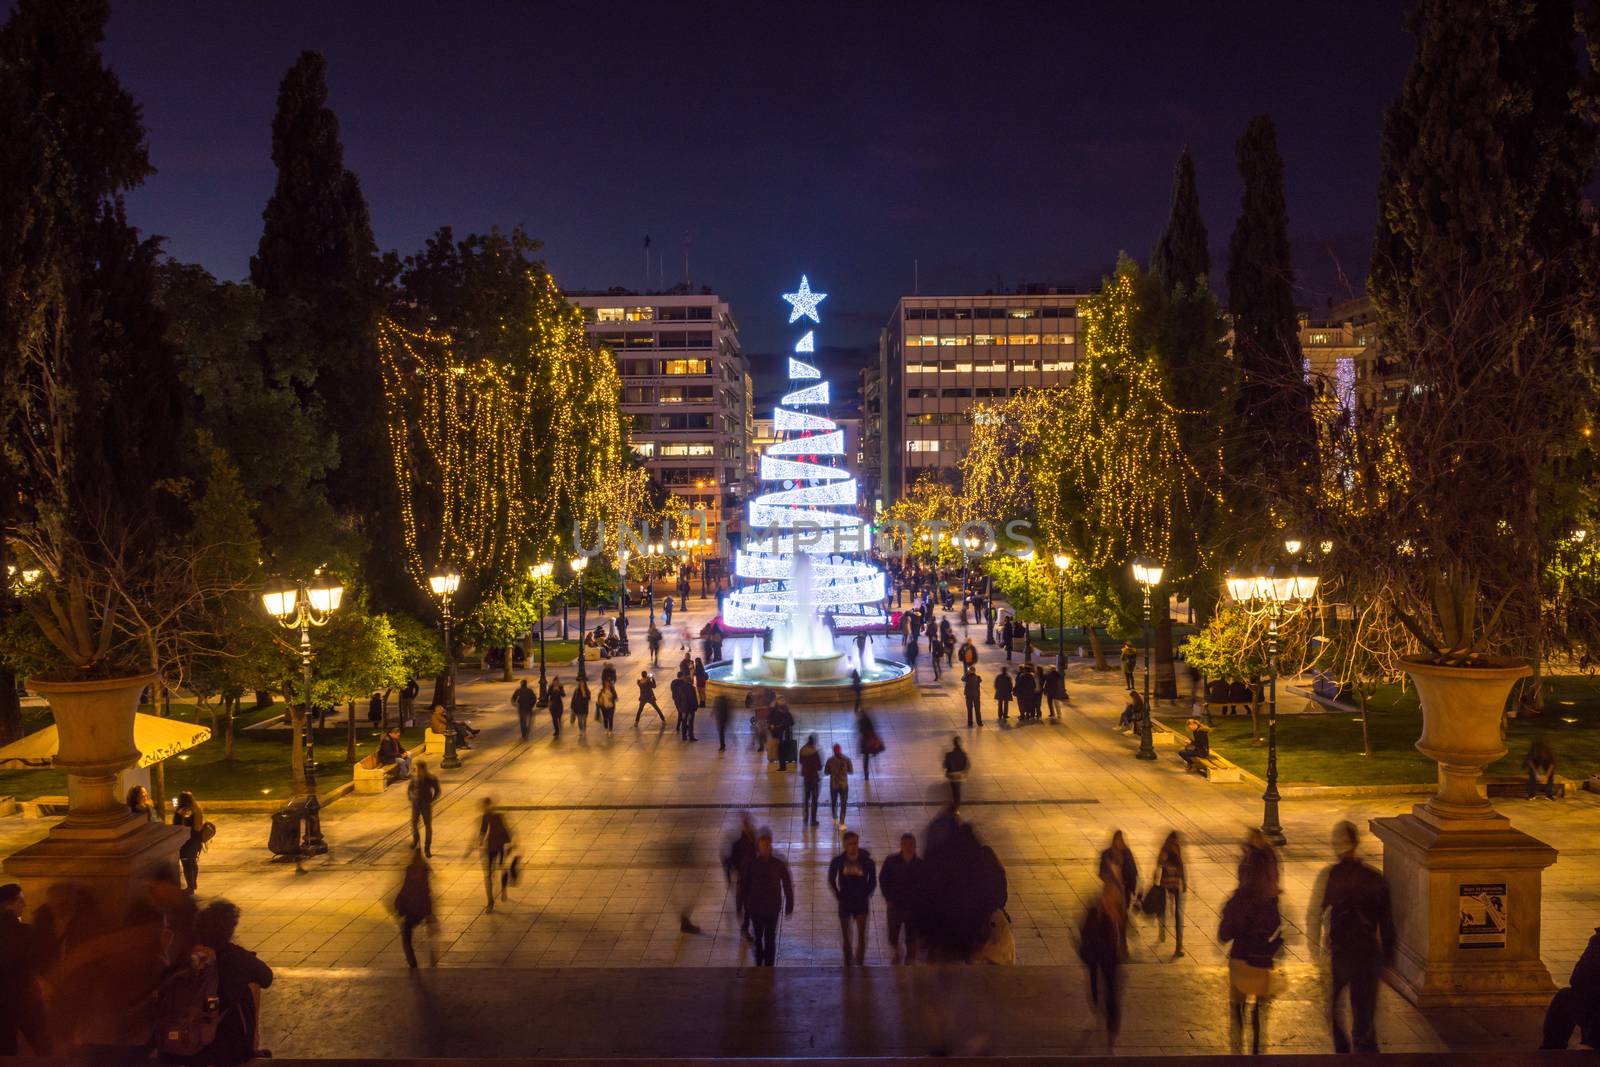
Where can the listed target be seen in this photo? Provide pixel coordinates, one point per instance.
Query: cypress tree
(1183, 256)
(1274, 440)
(318, 272)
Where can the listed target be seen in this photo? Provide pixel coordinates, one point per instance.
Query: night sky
(992, 143)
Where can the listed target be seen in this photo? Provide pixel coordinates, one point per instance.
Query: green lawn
(259, 769)
(1326, 749)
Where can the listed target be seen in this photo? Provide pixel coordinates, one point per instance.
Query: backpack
(188, 1009)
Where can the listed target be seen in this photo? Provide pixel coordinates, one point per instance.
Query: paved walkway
(619, 833)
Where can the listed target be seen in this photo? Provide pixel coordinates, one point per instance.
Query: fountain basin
(824, 668)
(886, 680)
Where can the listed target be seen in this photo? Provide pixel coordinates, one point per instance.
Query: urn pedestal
(1465, 885)
(99, 844)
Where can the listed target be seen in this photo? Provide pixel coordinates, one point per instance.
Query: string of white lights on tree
(809, 511)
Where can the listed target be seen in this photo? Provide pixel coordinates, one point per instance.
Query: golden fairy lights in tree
(495, 458)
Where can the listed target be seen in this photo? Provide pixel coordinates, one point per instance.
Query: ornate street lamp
(1148, 574)
(1268, 589)
(444, 583)
(579, 564)
(300, 606)
(1063, 561)
(539, 574)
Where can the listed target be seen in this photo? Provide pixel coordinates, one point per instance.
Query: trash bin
(287, 824)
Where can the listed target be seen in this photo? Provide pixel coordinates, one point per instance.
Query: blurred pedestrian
(1026, 690)
(188, 814)
(810, 761)
(1576, 1006)
(1002, 695)
(605, 701)
(838, 769)
(972, 691)
(955, 771)
(740, 852)
(1540, 763)
(1257, 849)
(1055, 690)
(871, 743)
(23, 962)
(238, 969)
(141, 806)
(581, 699)
(701, 678)
(1253, 928)
(494, 841)
(1173, 881)
(414, 905)
(422, 791)
(853, 877)
(767, 890)
(1132, 718)
(900, 879)
(685, 701)
(1130, 659)
(556, 698)
(722, 712)
(652, 640)
(1101, 935)
(1361, 938)
(1117, 866)
(525, 699)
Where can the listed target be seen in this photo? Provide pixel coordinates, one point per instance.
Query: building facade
(939, 356)
(1342, 355)
(685, 391)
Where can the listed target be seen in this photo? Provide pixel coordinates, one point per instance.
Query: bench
(432, 743)
(370, 776)
(591, 653)
(1516, 785)
(1216, 769)
(43, 807)
(8, 805)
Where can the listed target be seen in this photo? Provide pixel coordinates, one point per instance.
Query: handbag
(1155, 900)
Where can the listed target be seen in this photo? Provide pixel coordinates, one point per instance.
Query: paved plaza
(618, 834)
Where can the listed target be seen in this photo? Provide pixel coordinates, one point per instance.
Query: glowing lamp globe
(445, 582)
(281, 601)
(325, 597)
(1063, 561)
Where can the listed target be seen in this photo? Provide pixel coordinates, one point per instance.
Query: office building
(1341, 350)
(685, 390)
(939, 356)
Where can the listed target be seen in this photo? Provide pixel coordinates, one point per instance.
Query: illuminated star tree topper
(804, 303)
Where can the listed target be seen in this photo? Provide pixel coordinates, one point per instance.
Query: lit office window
(608, 314)
(962, 368)
(922, 368)
(1022, 313)
(684, 366)
(1025, 365)
(1023, 339)
(921, 340)
(687, 450)
(1058, 365)
(998, 339)
(1059, 338)
(645, 448)
(989, 368)
(954, 342)
(983, 338)
(639, 314)
(922, 446)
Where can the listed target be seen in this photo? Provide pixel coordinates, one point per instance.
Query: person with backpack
(955, 771)
(188, 813)
(422, 791)
(525, 699)
(494, 841)
(414, 904)
(237, 969)
(1361, 938)
(647, 693)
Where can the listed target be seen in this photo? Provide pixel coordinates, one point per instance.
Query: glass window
(961, 368)
(990, 368)
(922, 368)
(983, 338)
(611, 340)
(608, 314)
(1059, 338)
(1057, 365)
(640, 423)
(955, 394)
(955, 342)
(1024, 365)
(699, 314)
(672, 315)
(641, 340)
(921, 394)
(697, 339)
(684, 366)
(686, 450)
(686, 422)
(645, 448)
(639, 314)
(917, 445)
(1022, 313)
(990, 392)
(1024, 339)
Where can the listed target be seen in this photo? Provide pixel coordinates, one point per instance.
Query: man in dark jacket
(1055, 689)
(810, 761)
(647, 697)
(237, 970)
(21, 1000)
(1355, 899)
(972, 690)
(1027, 693)
(1002, 695)
(853, 877)
(422, 792)
(901, 882)
(686, 701)
(765, 889)
(1578, 1005)
(525, 700)
(391, 753)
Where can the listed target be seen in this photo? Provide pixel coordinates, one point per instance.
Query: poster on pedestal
(1483, 915)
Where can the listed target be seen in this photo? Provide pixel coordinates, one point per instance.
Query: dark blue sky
(991, 142)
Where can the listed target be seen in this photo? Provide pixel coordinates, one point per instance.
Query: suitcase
(788, 751)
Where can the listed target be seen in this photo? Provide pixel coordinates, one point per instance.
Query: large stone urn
(99, 843)
(1465, 885)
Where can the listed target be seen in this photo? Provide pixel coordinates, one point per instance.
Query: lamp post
(1148, 574)
(301, 606)
(444, 584)
(622, 602)
(652, 556)
(579, 564)
(1063, 561)
(1027, 604)
(539, 574)
(1265, 587)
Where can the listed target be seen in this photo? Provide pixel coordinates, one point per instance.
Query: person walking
(968, 654)
(1173, 881)
(1360, 941)
(1130, 659)
(722, 712)
(741, 850)
(666, 611)
(652, 640)
(525, 699)
(647, 697)
(1055, 690)
(605, 702)
(947, 637)
(1253, 928)
(700, 680)
(684, 702)
(856, 690)
(989, 615)
(1002, 696)
(556, 698)
(810, 761)
(972, 693)
(422, 791)
(935, 653)
(494, 841)
(853, 877)
(956, 765)
(23, 963)
(838, 769)
(1117, 865)
(580, 706)
(871, 743)
(1027, 693)
(900, 880)
(189, 813)
(1101, 935)
(414, 905)
(766, 890)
